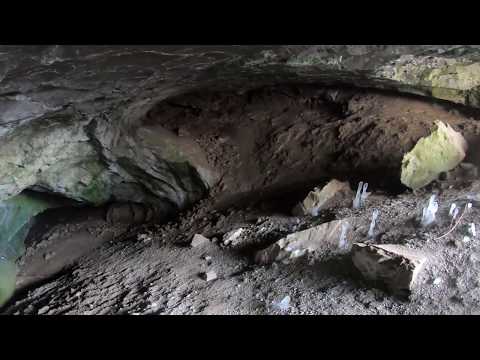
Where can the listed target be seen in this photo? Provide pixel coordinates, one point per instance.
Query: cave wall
(71, 116)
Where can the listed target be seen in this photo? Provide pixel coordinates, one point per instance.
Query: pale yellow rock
(335, 193)
(439, 152)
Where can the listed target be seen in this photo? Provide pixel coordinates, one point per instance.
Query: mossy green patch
(95, 189)
(443, 150)
(8, 274)
(16, 216)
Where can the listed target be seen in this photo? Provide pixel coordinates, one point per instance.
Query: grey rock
(209, 276)
(394, 267)
(199, 240)
(323, 238)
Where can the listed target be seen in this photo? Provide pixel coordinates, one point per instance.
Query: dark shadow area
(62, 215)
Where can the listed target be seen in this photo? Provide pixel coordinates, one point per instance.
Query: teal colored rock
(8, 273)
(16, 215)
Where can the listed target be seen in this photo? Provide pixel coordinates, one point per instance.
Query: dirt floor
(269, 147)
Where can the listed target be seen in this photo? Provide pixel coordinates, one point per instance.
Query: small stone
(230, 237)
(43, 310)
(199, 240)
(437, 281)
(393, 266)
(144, 237)
(209, 276)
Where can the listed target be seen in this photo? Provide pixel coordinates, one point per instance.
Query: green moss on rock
(16, 216)
(8, 275)
(441, 151)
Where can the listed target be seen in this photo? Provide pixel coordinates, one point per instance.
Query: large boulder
(394, 267)
(439, 152)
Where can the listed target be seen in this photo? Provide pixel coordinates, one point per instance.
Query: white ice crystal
(428, 214)
(343, 244)
(282, 305)
(372, 224)
(361, 195)
(472, 230)
(452, 209)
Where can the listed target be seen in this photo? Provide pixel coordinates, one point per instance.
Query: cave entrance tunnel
(268, 147)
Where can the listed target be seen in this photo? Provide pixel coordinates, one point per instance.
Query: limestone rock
(199, 240)
(441, 151)
(209, 275)
(395, 267)
(324, 237)
(335, 193)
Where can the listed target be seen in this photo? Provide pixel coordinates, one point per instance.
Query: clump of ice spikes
(361, 195)
(428, 215)
(372, 224)
(452, 209)
(343, 244)
(472, 230)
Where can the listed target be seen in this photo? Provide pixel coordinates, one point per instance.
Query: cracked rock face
(72, 117)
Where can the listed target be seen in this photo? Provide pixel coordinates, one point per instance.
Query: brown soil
(275, 140)
(269, 148)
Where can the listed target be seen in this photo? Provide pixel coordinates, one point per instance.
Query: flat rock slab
(324, 237)
(395, 267)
